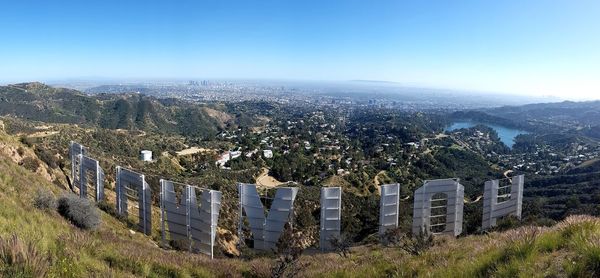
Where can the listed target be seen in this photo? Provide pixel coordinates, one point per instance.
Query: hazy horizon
(535, 48)
(368, 86)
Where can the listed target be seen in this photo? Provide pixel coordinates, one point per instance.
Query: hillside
(36, 101)
(580, 112)
(579, 118)
(312, 148)
(569, 248)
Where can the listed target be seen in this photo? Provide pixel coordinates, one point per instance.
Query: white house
(268, 153)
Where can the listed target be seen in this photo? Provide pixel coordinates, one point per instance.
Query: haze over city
(541, 48)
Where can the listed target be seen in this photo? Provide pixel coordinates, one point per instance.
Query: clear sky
(539, 47)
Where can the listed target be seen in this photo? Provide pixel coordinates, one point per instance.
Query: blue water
(507, 135)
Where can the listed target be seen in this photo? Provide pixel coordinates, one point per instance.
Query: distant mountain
(375, 81)
(37, 101)
(583, 113)
(485, 117)
(579, 118)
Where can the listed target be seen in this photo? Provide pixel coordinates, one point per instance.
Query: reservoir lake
(507, 135)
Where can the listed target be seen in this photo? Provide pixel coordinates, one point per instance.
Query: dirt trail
(42, 134)
(267, 181)
(193, 150)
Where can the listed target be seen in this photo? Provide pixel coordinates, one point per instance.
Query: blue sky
(530, 47)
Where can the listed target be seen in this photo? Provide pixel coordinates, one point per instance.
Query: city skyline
(534, 48)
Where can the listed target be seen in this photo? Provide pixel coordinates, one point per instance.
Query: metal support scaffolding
(191, 220)
(497, 205)
(389, 206)
(331, 216)
(265, 230)
(92, 166)
(450, 213)
(130, 181)
(75, 149)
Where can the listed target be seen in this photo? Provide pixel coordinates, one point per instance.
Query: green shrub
(108, 208)
(44, 200)
(507, 223)
(21, 259)
(81, 212)
(550, 241)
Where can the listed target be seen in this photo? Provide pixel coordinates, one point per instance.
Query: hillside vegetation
(36, 101)
(62, 250)
(41, 242)
(361, 150)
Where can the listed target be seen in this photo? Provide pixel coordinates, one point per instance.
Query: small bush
(81, 212)
(544, 222)
(180, 245)
(341, 245)
(20, 151)
(112, 210)
(48, 157)
(391, 237)
(27, 141)
(289, 250)
(507, 223)
(108, 208)
(417, 244)
(20, 259)
(30, 163)
(44, 200)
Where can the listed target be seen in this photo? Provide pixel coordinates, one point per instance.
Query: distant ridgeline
(541, 117)
(483, 117)
(192, 221)
(36, 101)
